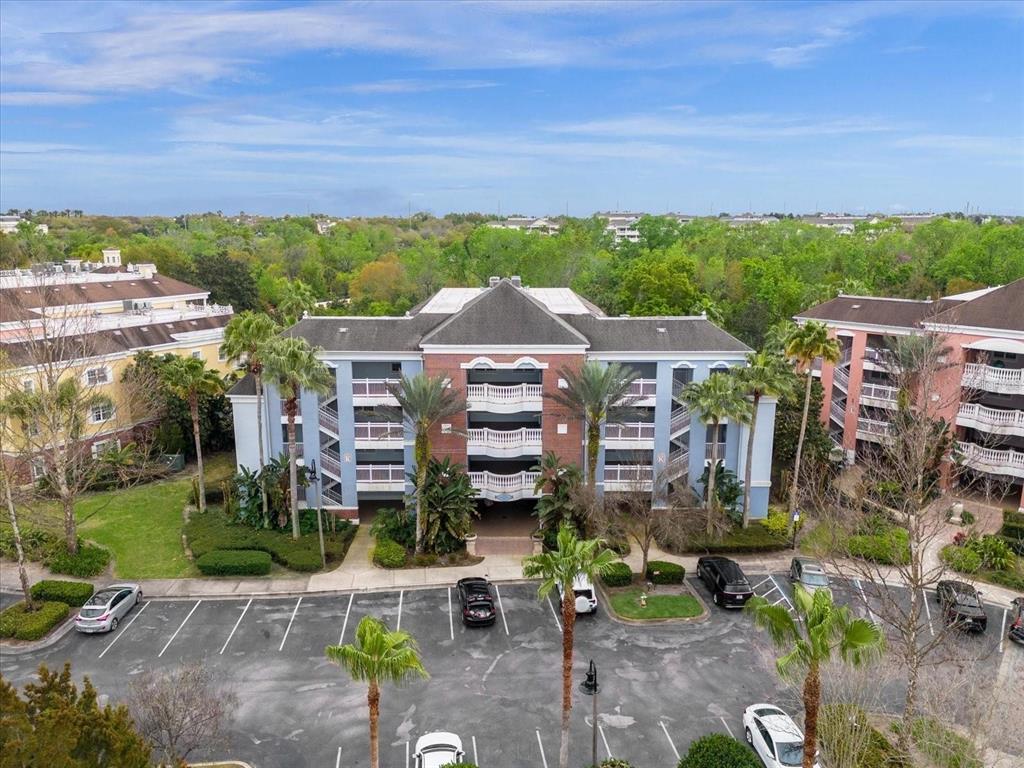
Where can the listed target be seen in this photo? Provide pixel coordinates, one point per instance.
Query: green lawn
(626, 603)
(141, 526)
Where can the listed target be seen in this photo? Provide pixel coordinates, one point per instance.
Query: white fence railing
(504, 438)
(719, 453)
(845, 356)
(628, 473)
(680, 420)
(874, 426)
(837, 412)
(629, 431)
(678, 463)
(643, 387)
(380, 473)
(331, 462)
(992, 417)
(842, 378)
(1003, 462)
(328, 419)
(879, 392)
(504, 394)
(495, 483)
(1008, 381)
(332, 496)
(373, 387)
(378, 430)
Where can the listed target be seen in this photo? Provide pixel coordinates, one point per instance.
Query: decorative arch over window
(487, 363)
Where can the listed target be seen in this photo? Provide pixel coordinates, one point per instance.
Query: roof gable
(1002, 308)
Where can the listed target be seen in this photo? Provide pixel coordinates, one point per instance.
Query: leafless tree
(181, 711)
(9, 491)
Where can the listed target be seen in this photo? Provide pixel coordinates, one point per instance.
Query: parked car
(434, 750)
(476, 601)
(586, 597)
(773, 735)
(961, 605)
(809, 573)
(104, 610)
(725, 579)
(1017, 620)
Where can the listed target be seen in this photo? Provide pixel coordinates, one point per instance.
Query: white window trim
(196, 354)
(107, 373)
(37, 470)
(92, 411)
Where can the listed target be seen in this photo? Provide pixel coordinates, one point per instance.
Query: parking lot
(497, 687)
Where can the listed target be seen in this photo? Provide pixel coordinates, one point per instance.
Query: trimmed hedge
(961, 559)
(664, 572)
(389, 554)
(213, 531)
(17, 623)
(716, 750)
(617, 575)
(889, 548)
(234, 562)
(754, 538)
(89, 561)
(70, 592)
(1004, 579)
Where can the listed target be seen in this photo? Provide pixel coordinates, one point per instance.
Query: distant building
(540, 224)
(622, 225)
(9, 225)
(323, 226)
(744, 219)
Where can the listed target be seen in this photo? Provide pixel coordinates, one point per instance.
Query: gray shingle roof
(244, 386)
(1002, 308)
(366, 334)
(633, 334)
(896, 313)
(505, 315)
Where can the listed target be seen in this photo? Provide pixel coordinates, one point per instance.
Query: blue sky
(533, 107)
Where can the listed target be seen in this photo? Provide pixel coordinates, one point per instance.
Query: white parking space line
(476, 760)
(758, 585)
(401, 594)
(540, 744)
(500, 608)
(726, 726)
(125, 629)
(927, 612)
(179, 629)
(451, 622)
(607, 749)
(289, 627)
(236, 626)
(553, 613)
(1002, 631)
(670, 742)
(344, 624)
(784, 597)
(337, 762)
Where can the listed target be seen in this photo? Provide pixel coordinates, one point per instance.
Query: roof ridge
(883, 298)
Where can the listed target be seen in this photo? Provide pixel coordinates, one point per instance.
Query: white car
(773, 735)
(436, 749)
(586, 597)
(104, 610)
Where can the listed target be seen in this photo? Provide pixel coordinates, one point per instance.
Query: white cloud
(1006, 147)
(43, 99)
(415, 86)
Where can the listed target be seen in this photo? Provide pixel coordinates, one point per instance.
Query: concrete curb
(8, 648)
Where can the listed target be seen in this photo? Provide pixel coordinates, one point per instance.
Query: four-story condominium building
(505, 348)
(980, 389)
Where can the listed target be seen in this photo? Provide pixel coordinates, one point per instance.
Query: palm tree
(597, 394)
(425, 401)
(297, 299)
(574, 557)
(377, 656)
(188, 378)
(805, 344)
(766, 375)
(716, 398)
(245, 339)
(556, 485)
(292, 364)
(823, 628)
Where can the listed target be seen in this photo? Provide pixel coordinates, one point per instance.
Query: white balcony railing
(678, 464)
(997, 420)
(845, 356)
(329, 419)
(992, 460)
(880, 392)
(873, 429)
(842, 378)
(719, 453)
(628, 477)
(632, 432)
(373, 391)
(505, 398)
(380, 473)
(330, 461)
(331, 497)
(383, 431)
(877, 356)
(498, 487)
(504, 442)
(1007, 381)
(837, 412)
(643, 388)
(680, 421)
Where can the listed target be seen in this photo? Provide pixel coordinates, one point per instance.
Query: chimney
(492, 281)
(74, 265)
(517, 281)
(112, 257)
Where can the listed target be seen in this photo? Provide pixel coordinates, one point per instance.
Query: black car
(1017, 620)
(962, 606)
(724, 577)
(476, 601)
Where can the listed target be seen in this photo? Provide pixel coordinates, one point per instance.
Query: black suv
(476, 601)
(962, 605)
(724, 577)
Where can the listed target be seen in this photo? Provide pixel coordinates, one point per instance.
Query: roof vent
(662, 330)
(855, 306)
(343, 330)
(624, 315)
(492, 281)
(517, 281)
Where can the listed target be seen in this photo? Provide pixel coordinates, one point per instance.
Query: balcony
(993, 420)
(380, 477)
(373, 392)
(719, 451)
(633, 436)
(842, 379)
(505, 487)
(837, 412)
(379, 434)
(993, 461)
(878, 359)
(497, 398)
(844, 357)
(643, 390)
(504, 443)
(680, 421)
(873, 430)
(330, 462)
(880, 395)
(329, 420)
(331, 497)
(678, 464)
(629, 477)
(1006, 381)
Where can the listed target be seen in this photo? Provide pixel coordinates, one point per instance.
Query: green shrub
(424, 559)
(389, 554)
(89, 561)
(613, 762)
(943, 746)
(617, 575)
(1012, 516)
(399, 525)
(716, 750)
(1009, 579)
(961, 559)
(777, 522)
(967, 517)
(663, 572)
(994, 552)
(889, 548)
(837, 738)
(35, 543)
(755, 538)
(234, 562)
(16, 622)
(1015, 543)
(70, 592)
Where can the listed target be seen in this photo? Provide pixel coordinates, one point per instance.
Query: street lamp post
(796, 519)
(590, 687)
(315, 478)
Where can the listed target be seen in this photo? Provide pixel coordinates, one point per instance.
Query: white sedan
(434, 750)
(773, 735)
